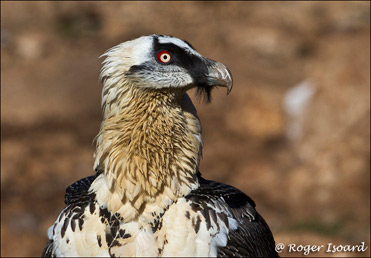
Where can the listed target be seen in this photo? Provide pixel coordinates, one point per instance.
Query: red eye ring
(164, 57)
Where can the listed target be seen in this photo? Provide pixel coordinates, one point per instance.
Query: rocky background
(294, 133)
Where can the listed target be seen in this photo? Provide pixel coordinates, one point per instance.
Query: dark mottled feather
(77, 192)
(252, 238)
(76, 199)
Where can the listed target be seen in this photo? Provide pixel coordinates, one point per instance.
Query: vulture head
(162, 63)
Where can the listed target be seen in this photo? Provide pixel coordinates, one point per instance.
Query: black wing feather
(76, 196)
(78, 191)
(48, 250)
(253, 237)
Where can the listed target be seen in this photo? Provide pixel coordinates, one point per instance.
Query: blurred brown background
(294, 133)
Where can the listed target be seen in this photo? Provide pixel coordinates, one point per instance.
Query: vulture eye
(164, 57)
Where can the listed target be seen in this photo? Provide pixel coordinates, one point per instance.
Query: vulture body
(148, 197)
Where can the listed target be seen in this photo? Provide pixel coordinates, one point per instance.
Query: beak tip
(229, 89)
(219, 75)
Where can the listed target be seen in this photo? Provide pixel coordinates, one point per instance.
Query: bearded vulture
(147, 197)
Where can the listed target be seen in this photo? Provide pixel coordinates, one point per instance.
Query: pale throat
(148, 147)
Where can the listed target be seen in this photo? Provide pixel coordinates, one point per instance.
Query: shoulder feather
(251, 236)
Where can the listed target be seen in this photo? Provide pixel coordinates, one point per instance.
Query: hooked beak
(219, 75)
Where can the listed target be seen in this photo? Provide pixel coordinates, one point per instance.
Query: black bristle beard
(204, 93)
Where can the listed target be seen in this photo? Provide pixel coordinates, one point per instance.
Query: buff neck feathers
(149, 144)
